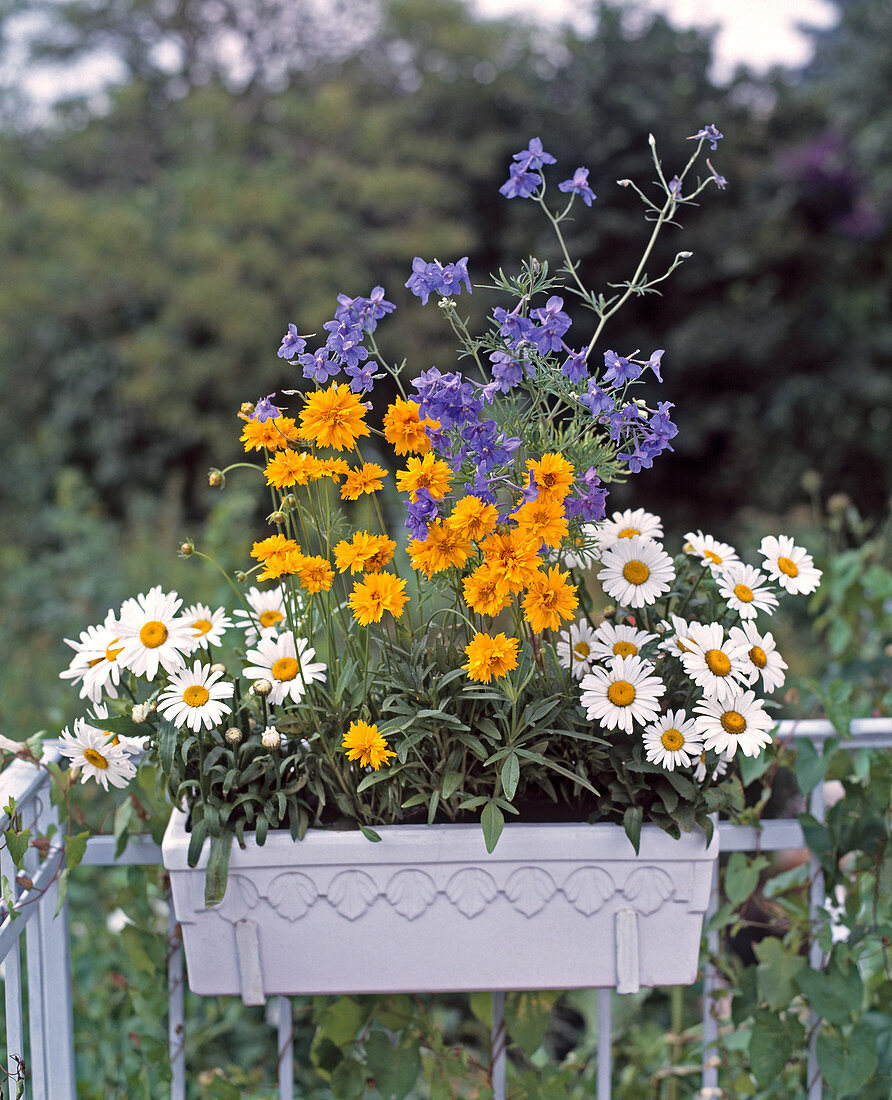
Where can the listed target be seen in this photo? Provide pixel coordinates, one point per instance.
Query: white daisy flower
(193, 697)
(619, 641)
(267, 614)
(574, 648)
(710, 551)
(98, 757)
(763, 658)
(737, 723)
(672, 741)
(717, 772)
(678, 635)
(623, 692)
(789, 565)
(287, 666)
(745, 589)
(133, 746)
(95, 663)
(151, 634)
(628, 524)
(208, 626)
(636, 571)
(583, 550)
(716, 664)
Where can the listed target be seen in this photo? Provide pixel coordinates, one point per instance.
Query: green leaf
(777, 972)
(17, 844)
(481, 1007)
(510, 775)
(835, 994)
(395, 1068)
(754, 767)
(369, 834)
(847, 1059)
(75, 846)
(196, 841)
(773, 1041)
(633, 819)
(217, 872)
(341, 1021)
(492, 819)
(526, 1018)
(742, 876)
(167, 746)
(452, 781)
(811, 767)
(348, 1082)
(62, 890)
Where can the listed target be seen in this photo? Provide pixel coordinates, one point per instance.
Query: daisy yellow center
(733, 722)
(712, 556)
(196, 695)
(582, 650)
(285, 668)
(743, 593)
(672, 739)
(625, 649)
(717, 662)
(96, 759)
(636, 572)
(95, 662)
(785, 565)
(112, 654)
(628, 533)
(153, 634)
(757, 656)
(270, 618)
(621, 693)
(201, 626)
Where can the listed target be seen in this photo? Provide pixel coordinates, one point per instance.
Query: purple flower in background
(596, 399)
(446, 397)
(364, 312)
(292, 344)
(675, 187)
(420, 513)
(507, 370)
(720, 181)
(345, 342)
(435, 278)
(654, 363)
(454, 277)
(534, 156)
(362, 377)
(575, 367)
(318, 366)
(514, 326)
(554, 324)
(661, 427)
(620, 370)
(589, 503)
(578, 185)
(265, 410)
(520, 184)
(710, 133)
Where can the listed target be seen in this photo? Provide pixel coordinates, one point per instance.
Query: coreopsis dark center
(285, 668)
(621, 693)
(636, 572)
(153, 634)
(717, 662)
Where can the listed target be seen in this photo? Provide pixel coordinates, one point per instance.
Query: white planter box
(555, 906)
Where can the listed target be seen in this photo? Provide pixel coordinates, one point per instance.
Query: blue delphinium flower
(364, 312)
(265, 410)
(362, 377)
(507, 370)
(534, 156)
(589, 502)
(710, 133)
(345, 342)
(574, 366)
(578, 185)
(720, 181)
(620, 370)
(292, 344)
(554, 323)
(435, 278)
(421, 512)
(654, 362)
(596, 399)
(318, 366)
(520, 184)
(446, 397)
(514, 326)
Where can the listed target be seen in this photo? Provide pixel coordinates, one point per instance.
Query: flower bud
(219, 668)
(271, 738)
(233, 735)
(247, 410)
(216, 478)
(140, 713)
(241, 576)
(261, 687)
(609, 612)
(186, 548)
(278, 518)
(811, 481)
(289, 502)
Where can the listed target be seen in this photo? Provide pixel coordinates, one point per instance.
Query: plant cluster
(468, 672)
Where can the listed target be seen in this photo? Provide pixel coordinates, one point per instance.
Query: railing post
(12, 983)
(498, 1045)
(710, 985)
(816, 898)
(286, 1049)
(176, 1033)
(605, 1044)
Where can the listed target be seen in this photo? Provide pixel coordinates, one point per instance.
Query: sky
(760, 33)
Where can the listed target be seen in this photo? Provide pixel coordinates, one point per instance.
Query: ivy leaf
(848, 1060)
(17, 843)
(776, 973)
(742, 876)
(395, 1068)
(835, 994)
(773, 1041)
(811, 767)
(75, 847)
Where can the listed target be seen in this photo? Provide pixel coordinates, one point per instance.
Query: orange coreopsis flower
(367, 478)
(425, 473)
(473, 518)
(404, 429)
(553, 474)
(514, 558)
(287, 468)
(364, 553)
(283, 563)
(485, 592)
(364, 743)
(333, 418)
(271, 435)
(442, 548)
(335, 468)
(275, 544)
(490, 656)
(549, 600)
(315, 574)
(375, 594)
(543, 519)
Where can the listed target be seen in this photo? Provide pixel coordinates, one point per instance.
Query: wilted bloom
(710, 133)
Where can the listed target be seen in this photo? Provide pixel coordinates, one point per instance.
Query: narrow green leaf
(217, 869)
(369, 834)
(510, 775)
(633, 819)
(492, 819)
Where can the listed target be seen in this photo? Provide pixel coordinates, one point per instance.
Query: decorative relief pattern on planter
(411, 892)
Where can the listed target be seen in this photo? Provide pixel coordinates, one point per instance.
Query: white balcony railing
(45, 1058)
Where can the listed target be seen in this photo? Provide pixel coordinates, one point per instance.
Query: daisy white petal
(287, 665)
(152, 635)
(98, 757)
(738, 722)
(763, 658)
(624, 692)
(709, 550)
(790, 565)
(628, 524)
(95, 663)
(612, 640)
(267, 613)
(717, 665)
(745, 589)
(574, 648)
(208, 627)
(672, 741)
(193, 697)
(635, 572)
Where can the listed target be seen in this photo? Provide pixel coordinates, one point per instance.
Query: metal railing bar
(816, 899)
(498, 1046)
(710, 986)
(140, 851)
(605, 1044)
(12, 992)
(30, 901)
(819, 729)
(286, 1048)
(176, 1017)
